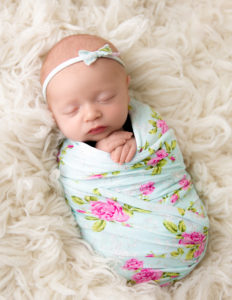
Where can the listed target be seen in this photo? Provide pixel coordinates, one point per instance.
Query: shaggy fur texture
(179, 56)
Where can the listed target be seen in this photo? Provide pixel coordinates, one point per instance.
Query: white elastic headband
(87, 57)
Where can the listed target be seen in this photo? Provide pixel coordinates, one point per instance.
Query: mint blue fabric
(146, 214)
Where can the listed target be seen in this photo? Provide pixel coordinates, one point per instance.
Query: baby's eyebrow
(71, 102)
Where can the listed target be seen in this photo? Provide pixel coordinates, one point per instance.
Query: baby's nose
(91, 112)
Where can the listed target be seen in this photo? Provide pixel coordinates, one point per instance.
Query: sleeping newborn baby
(120, 166)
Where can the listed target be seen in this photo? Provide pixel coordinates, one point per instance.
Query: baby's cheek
(70, 129)
(119, 116)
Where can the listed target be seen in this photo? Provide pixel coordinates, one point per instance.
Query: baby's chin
(94, 138)
(98, 136)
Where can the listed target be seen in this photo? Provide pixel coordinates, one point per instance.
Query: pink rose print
(150, 255)
(163, 125)
(81, 211)
(147, 275)
(160, 154)
(200, 250)
(153, 161)
(133, 264)
(184, 183)
(147, 188)
(96, 176)
(109, 211)
(194, 238)
(174, 198)
(128, 225)
(70, 146)
(172, 158)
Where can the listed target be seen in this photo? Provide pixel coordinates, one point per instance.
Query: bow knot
(89, 57)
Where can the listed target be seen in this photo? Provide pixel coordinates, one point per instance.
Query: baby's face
(89, 102)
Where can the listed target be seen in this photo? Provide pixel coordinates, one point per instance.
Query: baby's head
(88, 102)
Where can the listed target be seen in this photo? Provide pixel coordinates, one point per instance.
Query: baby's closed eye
(106, 98)
(70, 110)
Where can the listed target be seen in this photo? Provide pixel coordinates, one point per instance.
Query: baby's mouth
(97, 130)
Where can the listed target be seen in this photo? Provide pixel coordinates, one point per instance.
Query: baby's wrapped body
(146, 214)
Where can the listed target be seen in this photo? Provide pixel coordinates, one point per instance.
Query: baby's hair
(68, 48)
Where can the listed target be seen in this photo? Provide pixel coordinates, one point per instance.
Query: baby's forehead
(68, 48)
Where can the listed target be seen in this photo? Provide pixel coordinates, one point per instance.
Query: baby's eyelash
(106, 99)
(72, 111)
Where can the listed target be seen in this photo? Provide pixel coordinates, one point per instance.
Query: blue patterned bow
(89, 57)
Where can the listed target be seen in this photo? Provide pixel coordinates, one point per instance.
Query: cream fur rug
(179, 55)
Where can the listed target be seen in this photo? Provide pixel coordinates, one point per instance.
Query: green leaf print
(170, 274)
(141, 210)
(174, 253)
(91, 218)
(99, 225)
(153, 123)
(192, 209)
(145, 199)
(151, 151)
(96, 192)
(91, 198)
(181, 211)
(156, 170)
(146, 145)
(149, 168)
(128, 211)
(77, 200)
(170, 226)
(131, 282)
(63, 152)
(205, 230)
(115, 173)
(162, 163)
(191, 246)
(168, 147)
(190, 254)
(179, 236)
(153, 131)
(182, 226)
(146, 160)
(173, 144)
(106, 49)
(155, 115)
(181, 251)
(127, 206)
(136, 166)
(161, 255)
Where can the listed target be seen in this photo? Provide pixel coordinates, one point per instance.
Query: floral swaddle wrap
(145, 214)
